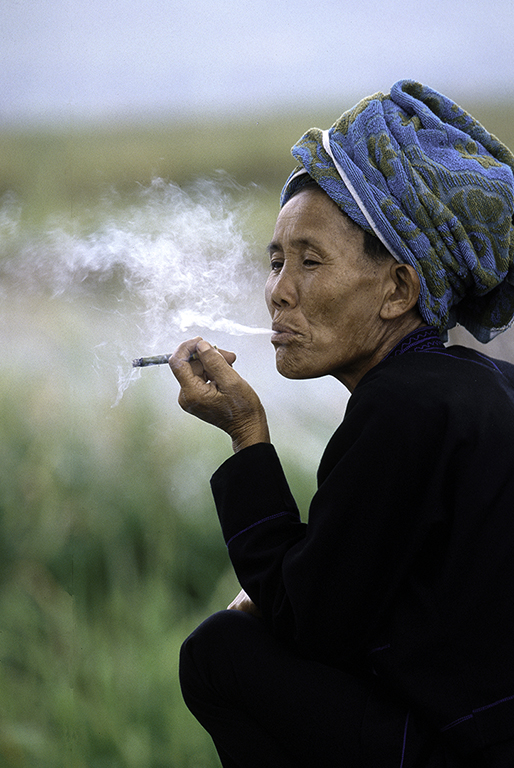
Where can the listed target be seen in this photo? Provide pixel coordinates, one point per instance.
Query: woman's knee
(209, 650)
(222, 629)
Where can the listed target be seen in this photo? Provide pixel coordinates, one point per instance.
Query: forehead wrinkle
(296, 242)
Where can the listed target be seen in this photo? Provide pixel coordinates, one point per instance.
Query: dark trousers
(264, 706)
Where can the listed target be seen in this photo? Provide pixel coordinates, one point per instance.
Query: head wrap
(425, 177)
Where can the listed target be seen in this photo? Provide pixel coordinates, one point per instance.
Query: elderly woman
(380, 633)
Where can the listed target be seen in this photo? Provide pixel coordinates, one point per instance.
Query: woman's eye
(275, 265)
(310, 263)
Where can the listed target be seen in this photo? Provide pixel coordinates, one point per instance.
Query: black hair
(373, 247)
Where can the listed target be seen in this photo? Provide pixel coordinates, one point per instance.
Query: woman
(380, 632)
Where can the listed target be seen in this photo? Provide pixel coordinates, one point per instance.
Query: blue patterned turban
(436, 188)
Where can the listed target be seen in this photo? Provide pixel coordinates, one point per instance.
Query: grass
(102, 576)
(110, 556)
(65, 168)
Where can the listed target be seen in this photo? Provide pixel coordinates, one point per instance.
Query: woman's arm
(325, 585)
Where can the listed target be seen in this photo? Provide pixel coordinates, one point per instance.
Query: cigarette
(142, 362)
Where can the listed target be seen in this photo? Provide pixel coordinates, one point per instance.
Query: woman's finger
(180, 361)
(230, 357)
(211, 354)
(216, 364)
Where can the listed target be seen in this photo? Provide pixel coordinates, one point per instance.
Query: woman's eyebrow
(296, 243)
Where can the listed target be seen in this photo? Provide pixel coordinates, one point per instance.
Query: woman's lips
(282, 334)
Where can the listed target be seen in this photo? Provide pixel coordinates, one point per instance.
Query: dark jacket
(405, 569)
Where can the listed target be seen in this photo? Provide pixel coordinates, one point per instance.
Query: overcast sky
(62, 59)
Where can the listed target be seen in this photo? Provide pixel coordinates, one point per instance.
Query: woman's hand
(211, 390)
(243, 603)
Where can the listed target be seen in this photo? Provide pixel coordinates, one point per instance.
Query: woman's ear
(402, 293)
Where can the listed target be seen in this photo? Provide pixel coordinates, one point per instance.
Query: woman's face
(323, 293)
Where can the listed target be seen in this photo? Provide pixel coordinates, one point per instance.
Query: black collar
(421, 340)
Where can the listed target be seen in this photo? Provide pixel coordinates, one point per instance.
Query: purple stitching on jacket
(456, 722)
(421, 340)
(475, 711)
(405, 738)
(488, 360)
(488, 706)
(427, 339)
(382, 648)
(264, 520)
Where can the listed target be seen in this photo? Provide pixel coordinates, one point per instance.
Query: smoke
(169, 262)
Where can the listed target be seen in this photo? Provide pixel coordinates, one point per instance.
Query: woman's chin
(290, 367)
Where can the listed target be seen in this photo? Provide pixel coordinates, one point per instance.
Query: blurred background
(142, 152)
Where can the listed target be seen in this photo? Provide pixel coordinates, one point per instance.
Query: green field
(110, 551)
(67, 167)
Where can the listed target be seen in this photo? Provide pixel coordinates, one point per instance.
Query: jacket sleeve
(323, 585)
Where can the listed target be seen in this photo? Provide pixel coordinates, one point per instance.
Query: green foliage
(101, 579)
(110, 555)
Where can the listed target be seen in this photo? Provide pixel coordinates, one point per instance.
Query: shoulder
(428, 397)
(406, 408)
(426, 379)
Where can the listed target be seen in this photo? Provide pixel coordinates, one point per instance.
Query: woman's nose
(281, 289)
